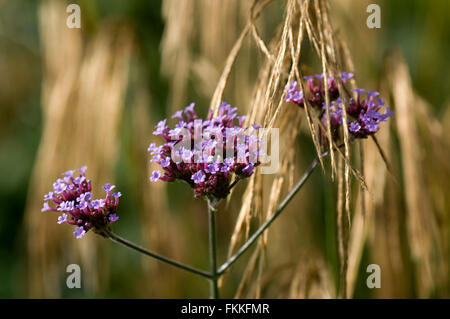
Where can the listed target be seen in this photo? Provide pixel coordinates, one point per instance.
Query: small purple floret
(155, 176)
(79, 232)
(112, 218)
(198, 177)
(62, 218)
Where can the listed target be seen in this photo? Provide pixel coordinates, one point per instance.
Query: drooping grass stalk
(222, 269)
(117, 239)
(212, 209)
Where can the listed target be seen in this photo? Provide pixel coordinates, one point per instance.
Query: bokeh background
(70, 97)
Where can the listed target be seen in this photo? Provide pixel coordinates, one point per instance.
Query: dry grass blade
(311, 280)
(176, 46)
(421, 218)
(217, 96)
(325, 73)
(341, 227)
(218, 93)
(248, 275)
(261, 44)
(243, 216)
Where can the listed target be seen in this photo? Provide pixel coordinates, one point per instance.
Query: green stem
(222, 269)
(117, 239)
(215, 273)
(214, 291)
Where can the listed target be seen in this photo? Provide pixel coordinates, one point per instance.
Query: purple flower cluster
(206, 153)
(72, 197)
(364, 111)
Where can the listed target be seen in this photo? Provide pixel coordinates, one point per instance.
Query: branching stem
(215, 273)
(116, 238)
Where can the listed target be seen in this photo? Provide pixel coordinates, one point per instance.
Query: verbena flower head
(206, 153)
(72, 198)
(364, 110)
